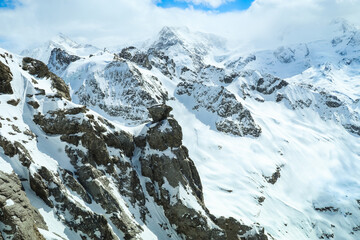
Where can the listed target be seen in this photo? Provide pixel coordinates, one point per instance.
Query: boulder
(159, 112)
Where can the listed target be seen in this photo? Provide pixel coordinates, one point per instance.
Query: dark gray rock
(22, 219)
(136, 56)
(5, 79)
(332, 101)
(40, 70)
(178, 170)
(166, 133)
(233, 118)
(74, 185)
(13, 102)
(161, 61)
(275, 176)
(16, 148)
(121, 140)
(59, 60)
(267, 84)
(159, 112)
(34, 104)
(63, 205)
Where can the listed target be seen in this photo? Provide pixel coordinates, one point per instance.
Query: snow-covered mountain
(62, 42)
(68, 173)
(274, 138)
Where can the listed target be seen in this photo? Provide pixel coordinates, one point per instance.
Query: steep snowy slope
(68, 173)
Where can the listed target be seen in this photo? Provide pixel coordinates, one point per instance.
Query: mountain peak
(170, 36)
(343, 26)
(62, 39)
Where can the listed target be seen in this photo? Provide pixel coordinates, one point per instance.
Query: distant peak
(169, 36)
(343, 25)
(61, 38)
(174, 30)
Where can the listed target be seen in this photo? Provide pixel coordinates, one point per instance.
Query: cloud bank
(266, 24)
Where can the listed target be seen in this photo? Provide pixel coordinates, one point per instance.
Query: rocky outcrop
(40, 70)
(159, 112)
(136, 56)
(96, 135)
(16, 148)
(263, 83)
(127, 92)
(5, 79)
(59, 60)
(174, 182)
(18, 218)
(232, 117)
(13, 102)
(163, 62)
(96, 226)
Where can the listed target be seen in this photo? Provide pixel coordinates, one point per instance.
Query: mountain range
(183, 138)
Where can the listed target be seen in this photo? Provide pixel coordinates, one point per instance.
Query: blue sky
(7, 4)
(235, 5)
(228, 6)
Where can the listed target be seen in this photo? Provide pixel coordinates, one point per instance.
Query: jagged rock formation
(18, 218)
(5, 79)
(60, 60)
(327, 105)
(174, 183)
(40, 70)
(134, 55)
(233, 118)
(127, 92)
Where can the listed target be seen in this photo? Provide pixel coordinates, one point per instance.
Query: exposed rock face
(134, 55)
(174, 180)
(5, 79)
(332, 101)
(94, 222)
(233, 118)
(165, 134)
(159, 112)
(127, 91)
(163, 62)
(59, 60)
(16, 148)
(328, 105)
(18, 218)
(40, 70)
(94, 135)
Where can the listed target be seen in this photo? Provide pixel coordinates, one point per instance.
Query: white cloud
(211, 3)
(267, 23)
